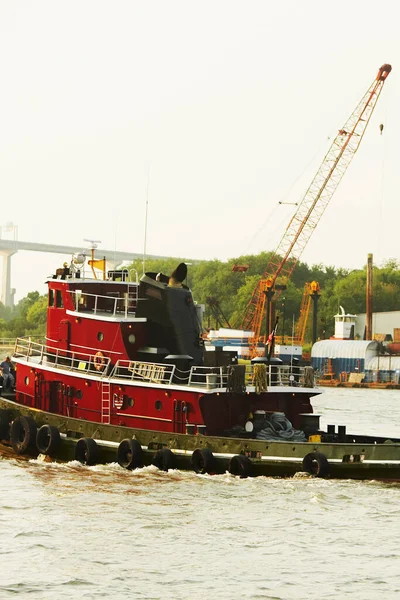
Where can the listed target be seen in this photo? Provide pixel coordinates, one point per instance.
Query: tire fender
(23, 435)
(87, 451)
(130, 454)
(47, 440)
(164, 459)
(316, 464)
(240, 465)
(203, 461)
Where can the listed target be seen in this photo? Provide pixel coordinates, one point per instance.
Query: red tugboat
(124, 376)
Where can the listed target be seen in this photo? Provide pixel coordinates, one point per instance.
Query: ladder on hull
(105, 402)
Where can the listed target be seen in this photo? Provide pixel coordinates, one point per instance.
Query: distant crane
(310, 289)
(300, 331)
(311, 208)
(216, 311)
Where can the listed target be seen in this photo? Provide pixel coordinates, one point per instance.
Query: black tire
(164, 459)
(130, 454)
(316, 464)
(4, 425)
(240, 465)
(87, 451)
(203, 461)
(23, 435)
(48, 440)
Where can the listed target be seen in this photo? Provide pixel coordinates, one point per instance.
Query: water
(69, 531)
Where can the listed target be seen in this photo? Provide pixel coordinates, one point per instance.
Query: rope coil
(260, 379)
(236, 379)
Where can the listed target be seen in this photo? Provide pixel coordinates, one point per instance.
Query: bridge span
(10, 247)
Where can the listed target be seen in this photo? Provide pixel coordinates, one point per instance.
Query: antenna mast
(145, 220)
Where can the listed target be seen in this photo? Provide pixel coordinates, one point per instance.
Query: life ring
(316, 463)
(240, 465)
(130, 454)
(203, 461)
(47, 439)
(164, 459)
(87, 451)
(23, 434)
(98, 361)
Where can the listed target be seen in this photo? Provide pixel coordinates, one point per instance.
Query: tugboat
(123, 376)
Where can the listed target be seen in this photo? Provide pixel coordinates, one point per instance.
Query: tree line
(232, 289)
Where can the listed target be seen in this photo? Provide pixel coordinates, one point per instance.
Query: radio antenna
(145, 220)
(93, 245)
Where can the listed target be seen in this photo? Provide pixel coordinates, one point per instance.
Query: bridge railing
(7, 341)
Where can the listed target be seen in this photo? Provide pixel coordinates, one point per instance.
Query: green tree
(36, 317)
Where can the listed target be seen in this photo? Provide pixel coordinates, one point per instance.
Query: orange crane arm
(314, 203)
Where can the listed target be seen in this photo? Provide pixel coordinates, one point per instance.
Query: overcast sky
(215, 111)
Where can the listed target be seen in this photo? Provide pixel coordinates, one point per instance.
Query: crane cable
(283, 198)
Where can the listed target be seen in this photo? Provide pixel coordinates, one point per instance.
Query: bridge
(10, 247)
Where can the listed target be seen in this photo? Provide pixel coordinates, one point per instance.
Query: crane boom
(313, 204)
(300, 332)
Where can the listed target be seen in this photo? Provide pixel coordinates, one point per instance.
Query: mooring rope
(260, 378)
(278, 427)
(236, 379)
(308, 377)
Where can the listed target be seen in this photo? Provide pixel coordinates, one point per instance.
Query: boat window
(51, 297)
(26, 380)
(132, 338)
(100, 336)
(131, 402)
(59, 300)
(79, 394)
(158, 405)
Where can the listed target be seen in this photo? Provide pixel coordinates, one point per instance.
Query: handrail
(59, 358)
(125, 304)
(143, 371)
(155, 373)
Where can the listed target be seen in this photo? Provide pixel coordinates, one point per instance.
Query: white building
(383, 323)
(344, 325)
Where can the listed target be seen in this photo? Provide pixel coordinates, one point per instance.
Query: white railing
(284, 375)
(134, 370)
(210, 377)
(111, 304)
(156, 373)
(82, 362)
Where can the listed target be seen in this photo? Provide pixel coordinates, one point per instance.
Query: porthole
(79, 394)
(26, 380)
(131, 402)
(132, 338)
(100, 336)
(158, 405)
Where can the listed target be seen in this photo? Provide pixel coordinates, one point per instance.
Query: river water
(69, 531)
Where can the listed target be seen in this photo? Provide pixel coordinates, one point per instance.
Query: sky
(202, 115)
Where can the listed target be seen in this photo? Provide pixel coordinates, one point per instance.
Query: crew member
(8, 371)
